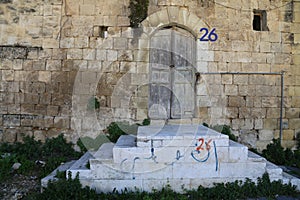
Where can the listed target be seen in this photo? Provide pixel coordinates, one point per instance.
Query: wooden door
(172, 56)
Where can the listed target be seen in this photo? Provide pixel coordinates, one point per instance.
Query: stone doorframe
(182, 18)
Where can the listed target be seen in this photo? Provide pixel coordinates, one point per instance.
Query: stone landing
(182, 156)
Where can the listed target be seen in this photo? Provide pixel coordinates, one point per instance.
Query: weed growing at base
(31, 154)
(72, 189)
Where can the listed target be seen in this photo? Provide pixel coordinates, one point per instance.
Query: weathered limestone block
(292, 112)
(112, 55)
(266, 135)
(294, 123)
(87, 9)
(89, 54)
(271, 124)
(67, 42)
(238, 45)
(288, 135)
(74, 54)
(236, 101)
(227, 79)
(270, 102)
(231, 89)
(244, 112)
(269, 91)
(247, 90)
(72, 7)
(11, 120)
(258, 124)
(39, 65)
(81, 42)
(258, 112)
(62, 122)
(53, 65)
(7, 75)
(231, 112)
(237, 123)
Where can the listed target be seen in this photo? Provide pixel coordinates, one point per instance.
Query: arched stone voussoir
(157, 18)
(173, 15)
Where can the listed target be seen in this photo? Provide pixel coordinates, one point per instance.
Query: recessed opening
(260, 20)
(100, 31)
(103, 31)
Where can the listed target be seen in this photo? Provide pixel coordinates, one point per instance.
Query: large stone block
(270, 102)
(294, 123)
(231, 90)
(271, 124)
(236, 101)
(292, 112)
(288, 135)
(266, 135)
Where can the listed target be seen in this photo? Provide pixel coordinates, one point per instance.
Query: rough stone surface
(153, 159)
(55, 55)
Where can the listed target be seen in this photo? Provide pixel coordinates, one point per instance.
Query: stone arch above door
(173, 15)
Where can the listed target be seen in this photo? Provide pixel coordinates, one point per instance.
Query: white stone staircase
(182, 156)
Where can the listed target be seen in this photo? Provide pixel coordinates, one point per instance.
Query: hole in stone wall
(100, 31)
(260, 20)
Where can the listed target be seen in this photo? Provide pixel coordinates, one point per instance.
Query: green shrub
(138, 12)
(72, 189)
(146, 122)
(65, 189)
(53, 152)
(116, 129)
(225, 129)
(274, 152)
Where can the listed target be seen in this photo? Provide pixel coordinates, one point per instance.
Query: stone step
(273, 170)
(80, 166)
(51, 176)
(237, 152)
(105, 152)
(287, 178)
(255, 157)
(189, 155)
(138, 169)
(178, 136)
(125, 148)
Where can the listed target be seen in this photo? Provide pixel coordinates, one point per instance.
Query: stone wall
(57, 55)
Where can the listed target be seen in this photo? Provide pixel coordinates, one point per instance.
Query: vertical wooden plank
(160, 88)
(183, 83)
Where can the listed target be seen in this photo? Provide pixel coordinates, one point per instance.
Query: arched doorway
(172, 74)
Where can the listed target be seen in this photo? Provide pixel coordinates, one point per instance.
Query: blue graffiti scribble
(133, 166)
(152, 157)
(178, 155)
(216, 156)
(198, 152)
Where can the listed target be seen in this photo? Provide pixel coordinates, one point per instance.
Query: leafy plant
(274, 152)
(65, 189)
(53, 152)
(146, 122)
(114, 132)
(116, 129)
(72, 189)
(138, 12)
(225, 129)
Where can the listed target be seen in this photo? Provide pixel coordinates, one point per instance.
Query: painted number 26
(208, 36)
